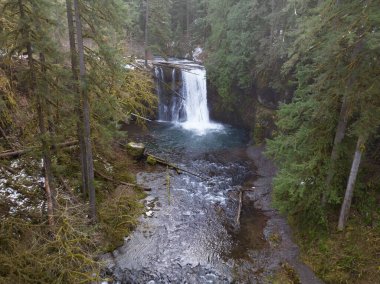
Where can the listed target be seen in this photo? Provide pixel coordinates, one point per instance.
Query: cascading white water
(176, 104)
(188, 109)
(195, 94)
(162, 108)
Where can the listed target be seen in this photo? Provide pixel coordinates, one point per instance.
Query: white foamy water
(195, 94)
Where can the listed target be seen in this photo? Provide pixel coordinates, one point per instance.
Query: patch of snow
(197, 54)
(129, 67)
(15, 188)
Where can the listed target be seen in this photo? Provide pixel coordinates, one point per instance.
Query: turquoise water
(171, 136)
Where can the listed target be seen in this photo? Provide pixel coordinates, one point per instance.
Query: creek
(190, 232)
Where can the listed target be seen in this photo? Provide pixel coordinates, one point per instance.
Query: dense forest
(302, 76)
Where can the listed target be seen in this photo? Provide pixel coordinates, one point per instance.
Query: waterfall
(162, 107)
(184, 104)
(195, 93)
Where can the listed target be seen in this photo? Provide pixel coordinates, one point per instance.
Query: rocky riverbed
(191, 232)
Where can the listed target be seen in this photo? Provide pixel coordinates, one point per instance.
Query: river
(195, 230)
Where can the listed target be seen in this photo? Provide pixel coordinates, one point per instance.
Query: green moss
(136, 150)
(118, 215)
(264, 125)
(275, 239)
(31, 253)
(151, 161)
(286, 275)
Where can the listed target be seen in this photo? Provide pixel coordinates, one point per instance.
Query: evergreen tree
(159, 27)
(335, 75)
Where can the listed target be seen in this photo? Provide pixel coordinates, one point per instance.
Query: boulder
(136, 150)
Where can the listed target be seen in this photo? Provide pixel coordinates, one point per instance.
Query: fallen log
(12, 171)
(170, 64)
(175, 167)
(121, 182)
(239, 207)
(14, 154)
(139, 116)
(173, 65)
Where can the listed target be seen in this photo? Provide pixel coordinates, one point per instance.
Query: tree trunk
(146, 32)
(188, 23)
(339, 135)
(74, 68)
(86, 114)
(6, 138)
(46, 146)
(49, 188)
(345, 210)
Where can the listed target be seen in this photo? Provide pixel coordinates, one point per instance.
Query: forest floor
(67, 252)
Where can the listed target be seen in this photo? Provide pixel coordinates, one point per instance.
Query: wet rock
(151, 161)
(136, 150)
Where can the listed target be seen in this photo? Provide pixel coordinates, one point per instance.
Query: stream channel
(190, 232)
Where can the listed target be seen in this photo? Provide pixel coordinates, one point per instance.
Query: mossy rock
(151, 161)
(136, 150)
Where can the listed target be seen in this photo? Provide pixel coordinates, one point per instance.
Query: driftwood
(139, 116)
(240, 206)
(173, 65)
(175, 167)
(14, 154)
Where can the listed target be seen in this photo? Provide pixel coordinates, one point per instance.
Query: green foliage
(32, 253)
(7, 100)
(247, 44)
(333, 62)
(118, 215)
(159, 25)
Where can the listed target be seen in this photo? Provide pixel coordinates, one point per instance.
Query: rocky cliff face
(252, 109)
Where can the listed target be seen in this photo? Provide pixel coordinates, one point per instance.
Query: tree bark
(74, 68)
(345, 210)
(339, 135)
(46, 146)
(49, 188)
(188, 24)
(146, 32)
(86, 114)
(6, 138)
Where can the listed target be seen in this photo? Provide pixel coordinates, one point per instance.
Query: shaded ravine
(189, 233)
